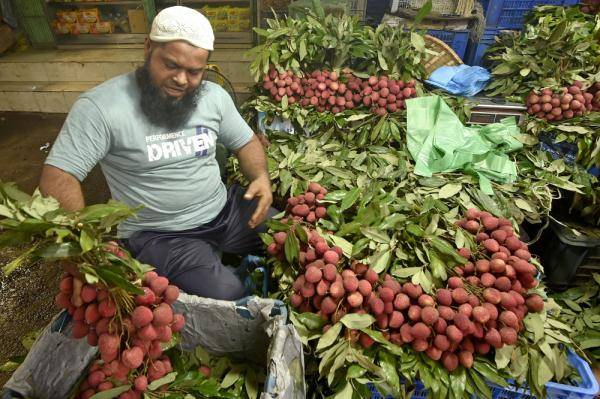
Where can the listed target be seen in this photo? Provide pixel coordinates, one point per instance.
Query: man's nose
(180, 78)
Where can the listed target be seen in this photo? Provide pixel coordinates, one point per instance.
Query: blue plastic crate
(509, 14)
(457, 39)
(587, 389)
(420, 392)
(477, 50)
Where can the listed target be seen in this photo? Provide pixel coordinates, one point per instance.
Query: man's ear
(147, 48)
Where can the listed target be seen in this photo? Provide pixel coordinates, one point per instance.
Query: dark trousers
(191, 259)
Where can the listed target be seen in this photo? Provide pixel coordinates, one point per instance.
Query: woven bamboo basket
(444, 55)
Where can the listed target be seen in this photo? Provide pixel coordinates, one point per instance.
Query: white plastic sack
(251, 328)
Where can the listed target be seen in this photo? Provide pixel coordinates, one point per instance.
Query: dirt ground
(27, 295)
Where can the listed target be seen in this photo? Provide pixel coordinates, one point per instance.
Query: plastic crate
(420, 392)
(509, 14)
(457, 39)
(477, 50)
(563, 253)
(587, 389)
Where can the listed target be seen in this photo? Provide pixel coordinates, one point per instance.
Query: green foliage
(228, 378)
(556, 47)
(581, 311)
(51, 233)
(316, 41)
(382, 214)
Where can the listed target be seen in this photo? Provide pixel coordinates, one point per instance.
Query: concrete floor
(27, 295)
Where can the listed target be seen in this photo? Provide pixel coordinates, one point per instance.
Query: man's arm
(253, 164)
(66, 189)
(63, 186)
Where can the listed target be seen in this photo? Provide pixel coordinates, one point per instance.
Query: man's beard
(162, 110)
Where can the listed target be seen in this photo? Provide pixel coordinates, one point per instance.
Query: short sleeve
(83, 140)
(234, 132)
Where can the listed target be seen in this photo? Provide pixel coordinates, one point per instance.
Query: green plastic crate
(30, 8)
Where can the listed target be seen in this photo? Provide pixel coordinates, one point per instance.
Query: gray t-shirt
(174, 174)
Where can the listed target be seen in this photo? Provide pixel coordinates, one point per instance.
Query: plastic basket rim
(576, 361)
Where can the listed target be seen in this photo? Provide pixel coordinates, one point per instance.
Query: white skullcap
(182, 23)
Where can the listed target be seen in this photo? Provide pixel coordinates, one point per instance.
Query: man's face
(170, 82)
(176, 68)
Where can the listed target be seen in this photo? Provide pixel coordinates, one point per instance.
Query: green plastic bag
(438, 142)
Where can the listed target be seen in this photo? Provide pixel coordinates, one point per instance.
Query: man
(153, 131)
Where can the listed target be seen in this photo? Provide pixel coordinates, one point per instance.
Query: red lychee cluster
(129, 344)
(328, 91)
(564, 103)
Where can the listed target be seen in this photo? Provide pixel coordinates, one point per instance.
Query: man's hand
(253, 164)
(71, 268)
(259, 188)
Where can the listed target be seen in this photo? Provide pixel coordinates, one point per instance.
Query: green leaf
(175, 339)
(421, 278)
(388, 364)
(558, 324)
(344, 393)
(406, 271)
(350, 198)
(382, 63)
(311, 321)
(415, 230)
(438, 268)
(250, 383)
(524, 71)
(329, 337)
(342, 243)
(450, 190)
(112, 393)
(9, 367)
(302, 49)
(356, 321)
(202, 355)
(339, 360)
(57, 251)
(573, 305)
(544, 373)
(114, 279)
(375, 235)
(558, 32)
(87, 241)
(167, 379)
(489, 373)
(276, 225)
(589, 343)
(503, 356)
(380, 260)
(423, 12)
(357, 117)
(231, 377)
(525, 205)
(502, 69)
(533, 323)
(527, 139)
(459, 239)
(291, 248)
(355, 371)
(446, 249)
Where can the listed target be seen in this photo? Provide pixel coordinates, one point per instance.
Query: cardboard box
(137, 21)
